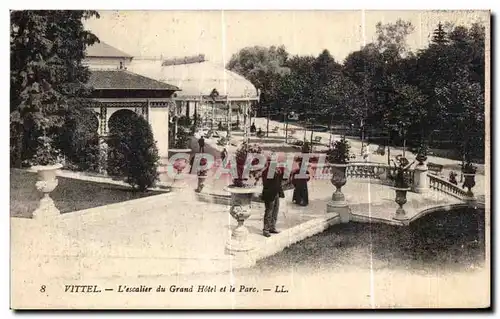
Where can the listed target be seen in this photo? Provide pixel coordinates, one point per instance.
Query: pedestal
(401, 200)
(338, 203)
(341, 208)
(180, 181)
(420, 180)
(241, 199)
(201, 183)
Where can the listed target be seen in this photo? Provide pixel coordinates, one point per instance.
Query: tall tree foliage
(263, 67)
(421, 96)
(47, 49)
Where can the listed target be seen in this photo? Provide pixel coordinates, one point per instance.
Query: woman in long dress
(300, 192)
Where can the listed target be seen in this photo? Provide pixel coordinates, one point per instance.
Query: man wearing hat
(272, 191)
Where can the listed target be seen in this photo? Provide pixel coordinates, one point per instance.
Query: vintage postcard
(250, 159)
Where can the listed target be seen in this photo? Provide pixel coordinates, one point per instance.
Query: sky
(219, 34)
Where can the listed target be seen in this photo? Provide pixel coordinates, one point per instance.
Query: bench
(435, 169)
(317, 139)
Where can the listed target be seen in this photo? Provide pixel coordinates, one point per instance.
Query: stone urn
(469, 182)
(469, 174)
(338, 180)
(47, 182)
(401, 200)
(421, 159)
(338, 203)
(241, 204)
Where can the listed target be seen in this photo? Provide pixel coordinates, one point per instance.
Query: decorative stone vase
(47, 182)
(241, 200)
(338, 180)
(338, 203)
(469, 182)
(421, 159)
(401, 200)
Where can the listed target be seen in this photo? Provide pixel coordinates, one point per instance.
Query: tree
(47, 49)
(78, 139)
(263, 67)
(462, 102)
(393, 35)
(300, 82)
(439, 35)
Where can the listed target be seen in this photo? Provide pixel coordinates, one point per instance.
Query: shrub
(46, 153)
(182, 139)
(79, 140)
(468, 168)
(339, 153)
(306, 147)
(133, 152)
(401, 178)
(241, 157)
(184, 121)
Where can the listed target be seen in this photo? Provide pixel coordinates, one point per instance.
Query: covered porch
(119, 91)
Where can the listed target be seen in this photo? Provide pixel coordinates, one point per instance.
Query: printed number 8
(42, 288)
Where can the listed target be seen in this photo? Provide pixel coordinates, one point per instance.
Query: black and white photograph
(250, 159)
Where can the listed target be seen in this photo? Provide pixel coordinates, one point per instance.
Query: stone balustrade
(367, 170)
(444, 186)
(372, 171)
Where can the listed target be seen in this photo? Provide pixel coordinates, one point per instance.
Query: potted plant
(241, 158)
(338, 156)
(401, 186)
(422, 151)
(46, 162)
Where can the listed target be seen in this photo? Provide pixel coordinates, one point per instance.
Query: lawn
(70, 195)
(448, 240)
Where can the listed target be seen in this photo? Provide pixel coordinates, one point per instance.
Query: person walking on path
(272, 191)
(253, 129)
(223, 155)
(201, 144)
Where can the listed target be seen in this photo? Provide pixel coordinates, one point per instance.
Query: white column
(420, 180)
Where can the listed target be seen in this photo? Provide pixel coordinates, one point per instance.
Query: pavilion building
(117, 90)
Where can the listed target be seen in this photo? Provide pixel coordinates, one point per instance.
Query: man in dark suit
(201, 144)
(272, 191)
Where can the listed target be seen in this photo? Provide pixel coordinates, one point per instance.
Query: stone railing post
(420, 180)
(338, 203)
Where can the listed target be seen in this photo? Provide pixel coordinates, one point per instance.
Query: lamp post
(213, 95)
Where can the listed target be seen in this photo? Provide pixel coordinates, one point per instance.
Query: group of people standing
(272, 191)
